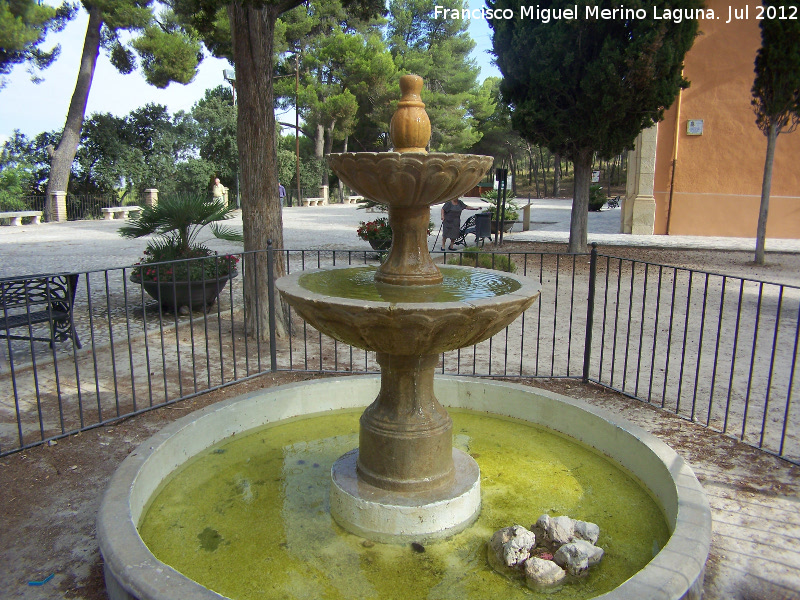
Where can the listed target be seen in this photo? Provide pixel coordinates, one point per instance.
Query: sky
(34, 108)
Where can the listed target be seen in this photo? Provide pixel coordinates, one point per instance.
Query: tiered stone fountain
(405, 480)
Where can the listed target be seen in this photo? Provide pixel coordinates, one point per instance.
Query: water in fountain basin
(459, 285)
(249, 518)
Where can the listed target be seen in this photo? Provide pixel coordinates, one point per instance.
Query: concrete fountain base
(132, 572)
(394, 517)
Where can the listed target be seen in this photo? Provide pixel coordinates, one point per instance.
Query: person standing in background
(218, 190)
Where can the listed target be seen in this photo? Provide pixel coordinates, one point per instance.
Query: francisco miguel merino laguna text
(545, 15)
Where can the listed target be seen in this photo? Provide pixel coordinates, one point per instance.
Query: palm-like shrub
(177, 220)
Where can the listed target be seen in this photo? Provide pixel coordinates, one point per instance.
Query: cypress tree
(589, 84)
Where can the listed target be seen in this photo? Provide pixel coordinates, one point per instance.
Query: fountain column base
(389, 516)
(406, 437)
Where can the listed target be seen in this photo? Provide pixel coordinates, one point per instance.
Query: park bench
(16, 216)
(313, 201)
(353, 199)
(33, 299)
(120, 212)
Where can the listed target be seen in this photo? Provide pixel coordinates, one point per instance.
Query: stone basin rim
(290, 284)
(133, 573)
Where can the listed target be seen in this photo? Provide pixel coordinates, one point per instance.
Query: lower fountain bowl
(132, 572)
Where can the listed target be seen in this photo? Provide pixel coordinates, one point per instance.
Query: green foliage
(311, 171)
(178, 219)
(512, 209)
(167, 54)
(584, 85)
(215, 130)
(32, 156)
(24, 25)
(776, 89)
(343, 64)
(287, 167)
(475, 257)
(378, 230)
(597, 197)
(14, 181)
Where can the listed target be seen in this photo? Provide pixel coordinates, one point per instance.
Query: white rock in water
(586, 531)
(511, 546)
(576, 557)
(560, 530)
(542, 573)
(563, 530)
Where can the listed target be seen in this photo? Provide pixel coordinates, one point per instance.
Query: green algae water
(459, 285)
(250, 518)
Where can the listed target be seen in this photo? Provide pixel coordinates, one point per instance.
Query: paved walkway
(89, 245)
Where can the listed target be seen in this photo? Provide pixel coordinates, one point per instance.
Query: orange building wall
(717, 181)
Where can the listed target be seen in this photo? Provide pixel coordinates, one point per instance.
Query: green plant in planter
(474, 257)
(512, 210)
(178, 220)
(597, 197)
(379, 230)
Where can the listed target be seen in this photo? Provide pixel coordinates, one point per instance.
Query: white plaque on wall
(694, 127)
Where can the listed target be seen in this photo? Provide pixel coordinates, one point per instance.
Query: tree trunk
(578, 225)
(530, 164)
(556, 175)
(341, 184)
(766, 185)
(64, 154)
(328, 148)
(544, 172)
(512, 161)
(252, 32)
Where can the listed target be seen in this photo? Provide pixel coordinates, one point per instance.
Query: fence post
(587, 348)
(273, 351)
(56, 207)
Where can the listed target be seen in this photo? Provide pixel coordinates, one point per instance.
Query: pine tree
(24, 25)
(167, 55)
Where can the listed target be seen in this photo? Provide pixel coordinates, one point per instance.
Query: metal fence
(82, 206)
(717, 350)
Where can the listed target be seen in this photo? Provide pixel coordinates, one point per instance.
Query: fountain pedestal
(406, 436)
(405, 482)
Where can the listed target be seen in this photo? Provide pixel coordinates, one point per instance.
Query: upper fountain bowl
(347, 304)
(410, 179)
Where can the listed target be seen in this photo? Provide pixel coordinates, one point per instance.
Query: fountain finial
(410, 128)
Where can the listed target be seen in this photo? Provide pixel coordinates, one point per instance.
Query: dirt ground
(49, 495)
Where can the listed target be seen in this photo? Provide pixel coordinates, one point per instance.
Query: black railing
(82, 206)
(714, 349)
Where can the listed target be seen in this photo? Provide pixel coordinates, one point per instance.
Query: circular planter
(380, 245)
(132, 572)
(195, 294)
(507, 226)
